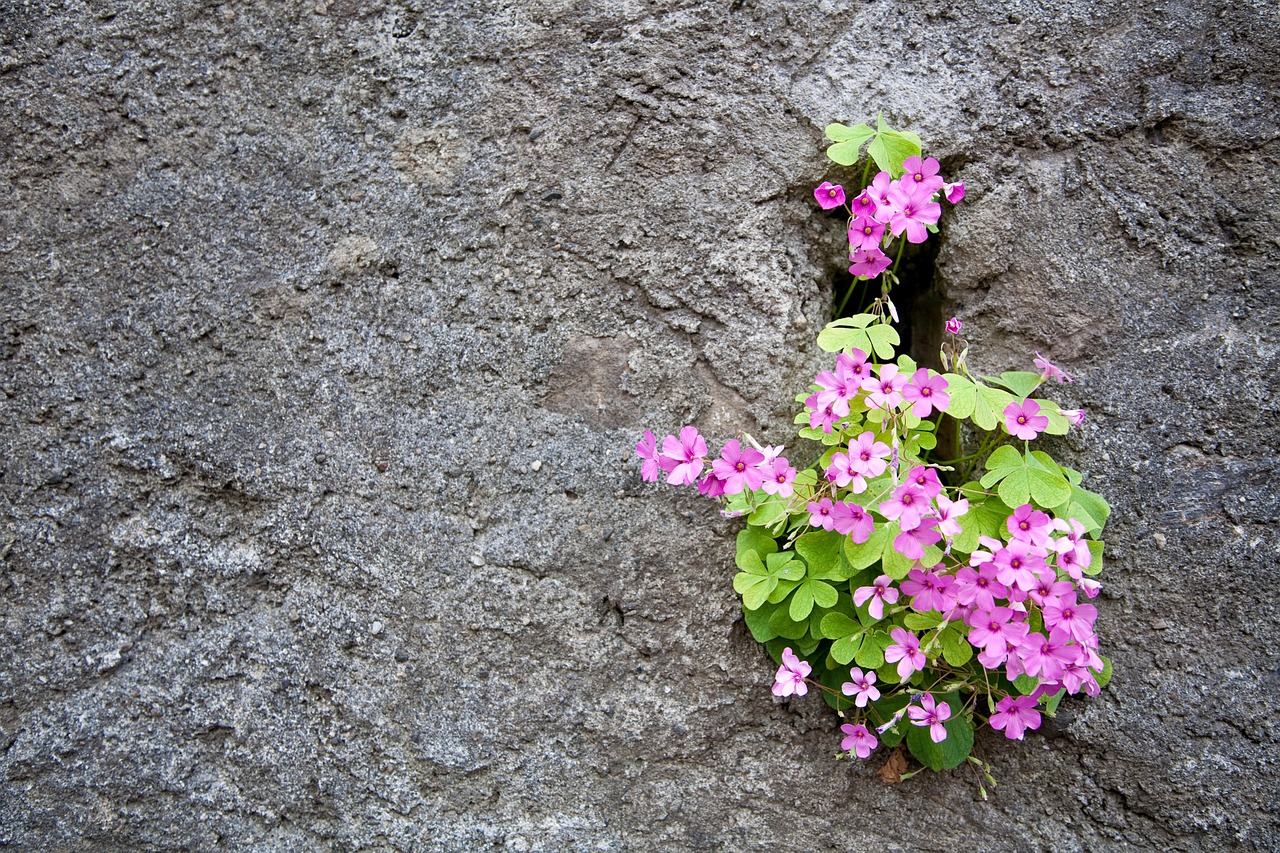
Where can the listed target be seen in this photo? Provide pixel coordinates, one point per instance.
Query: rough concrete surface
(329, 328)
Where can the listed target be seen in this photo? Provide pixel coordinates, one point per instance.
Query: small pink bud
(954, 326)
(1075, 416)
(954, 192)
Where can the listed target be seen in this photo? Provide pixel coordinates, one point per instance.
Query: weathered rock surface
(329, 328)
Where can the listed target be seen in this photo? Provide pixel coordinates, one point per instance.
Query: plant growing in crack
(922, 597)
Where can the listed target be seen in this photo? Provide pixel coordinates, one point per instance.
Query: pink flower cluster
(903, 206)
(1038, 569)
(882, 387)
(737, 470)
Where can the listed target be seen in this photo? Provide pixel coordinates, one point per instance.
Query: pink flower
(1030, 525)
(711, 486)
(820, 415)
(647, 449)
(927, 393)
(1074, 416)
(867, 456)
(863, 205)
(820, 514)
(922, 175)
(865, 233)
(883, 592)
(778, 478)
(789, 680)
(885, 392)
(907, 505)
(852, 520)
(853, 364)
(980, 588)
(862, 685)
(878, 190)
(1014, 715)
(737, 467)
(930, 591)
(932, 715)
(829, 195)
(912, 211)
(954, 193)
(954, 326)
(926, 479)
(842, 473)
(869, 263)
(1017, 563)
(684, 456)
(1025, 421)
(911, 543)
(858, 740)
(905, 649)
(1076, 619)
(1047, 656)
(1049, 371)
(994, 627)
(947, 513)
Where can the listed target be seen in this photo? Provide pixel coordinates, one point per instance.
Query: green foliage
(886, 146)
(953, 751)
(862, 331)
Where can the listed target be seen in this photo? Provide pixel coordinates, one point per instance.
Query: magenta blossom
(1025, 421)
(684, 456)
(711, 486)
(1077, 619)
(1074, 416)
(927, 392)
(954, 326)
(852, 520)
(737, 467)
(790, 677)
(922, 175)
(911, 543)
(829, 195)
(907, 505)
(1030, 525)
(820, 514)
(779, 478)
(931, 714)
(883, 592)
(842, 473)
(858, 740)
(879, 192)
(869, 263)
(865, 233)
(947, 513)
(885, 392)
(912, 212)
(864, 686)
(931, 591)
(863, 205)
(647, 449)
(926, 479)
(905, 650)
(1049, 371)
(954, 193)
(980, 588)
(867, 456)
(1014, 715)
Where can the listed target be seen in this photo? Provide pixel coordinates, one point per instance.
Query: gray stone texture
(329, 328)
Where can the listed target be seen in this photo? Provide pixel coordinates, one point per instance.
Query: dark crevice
(920, 300)
(917, 296)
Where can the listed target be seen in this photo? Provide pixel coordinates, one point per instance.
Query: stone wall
(329, 328)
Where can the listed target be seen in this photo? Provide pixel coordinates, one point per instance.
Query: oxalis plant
(922, 597)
